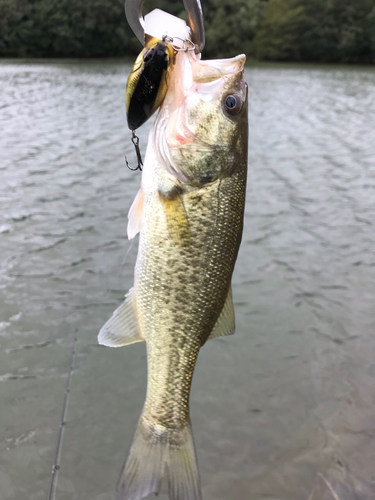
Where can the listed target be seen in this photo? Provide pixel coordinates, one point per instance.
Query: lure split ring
(188, 45)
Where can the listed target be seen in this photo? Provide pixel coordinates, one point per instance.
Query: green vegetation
(275, 30)
(317, 30)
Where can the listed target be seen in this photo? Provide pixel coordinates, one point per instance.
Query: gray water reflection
(279, 410)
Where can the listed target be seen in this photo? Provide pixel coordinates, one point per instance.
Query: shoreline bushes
(275, 30)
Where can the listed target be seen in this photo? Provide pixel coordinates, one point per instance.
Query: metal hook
(188, 45)
(135, 141)
(133, 12)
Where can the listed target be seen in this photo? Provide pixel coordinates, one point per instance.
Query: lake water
(282, 410)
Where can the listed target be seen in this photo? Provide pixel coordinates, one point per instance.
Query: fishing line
(130, 246)
(60, 436)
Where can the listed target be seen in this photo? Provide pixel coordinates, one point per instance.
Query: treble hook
(135, 141)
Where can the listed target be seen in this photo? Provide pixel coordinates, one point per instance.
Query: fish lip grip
(133, 12)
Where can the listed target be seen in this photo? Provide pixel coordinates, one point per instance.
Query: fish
(189, 215)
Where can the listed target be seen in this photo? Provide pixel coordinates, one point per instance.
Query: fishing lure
(147, 85)
(148, 81)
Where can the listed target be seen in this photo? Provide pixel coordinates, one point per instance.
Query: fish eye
(232, 104)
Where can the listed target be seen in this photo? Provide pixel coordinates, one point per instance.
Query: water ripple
(303, 287)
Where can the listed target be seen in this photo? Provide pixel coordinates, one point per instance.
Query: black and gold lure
(148, 81)
(147, 85)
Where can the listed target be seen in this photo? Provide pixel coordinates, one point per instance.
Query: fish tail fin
(156, 453)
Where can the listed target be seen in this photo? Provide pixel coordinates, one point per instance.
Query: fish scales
(189, 213)
(183, 289)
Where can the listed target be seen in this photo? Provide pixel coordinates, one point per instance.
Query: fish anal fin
(176, 219)
(122, 327)
(135, 215)
(225, 324)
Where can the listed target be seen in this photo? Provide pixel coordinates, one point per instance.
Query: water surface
(284, 409)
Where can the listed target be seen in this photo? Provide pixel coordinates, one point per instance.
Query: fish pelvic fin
(122, 327)
(225, 324)
(157, 453)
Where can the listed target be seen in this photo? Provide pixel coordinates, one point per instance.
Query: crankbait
(148, 81)
(147, 85)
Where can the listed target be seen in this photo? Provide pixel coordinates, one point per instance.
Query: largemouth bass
(189, 213)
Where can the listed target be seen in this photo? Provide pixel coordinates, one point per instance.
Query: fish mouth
(213, 69)
(192, 80)
(209, 79)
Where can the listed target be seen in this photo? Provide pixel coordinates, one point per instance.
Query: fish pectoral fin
(176, 218)
(225, 324)
(122, 327)
(135, 215)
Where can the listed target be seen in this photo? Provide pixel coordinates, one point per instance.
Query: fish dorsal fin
(135, 215)
(225, 324)
(122, 327)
